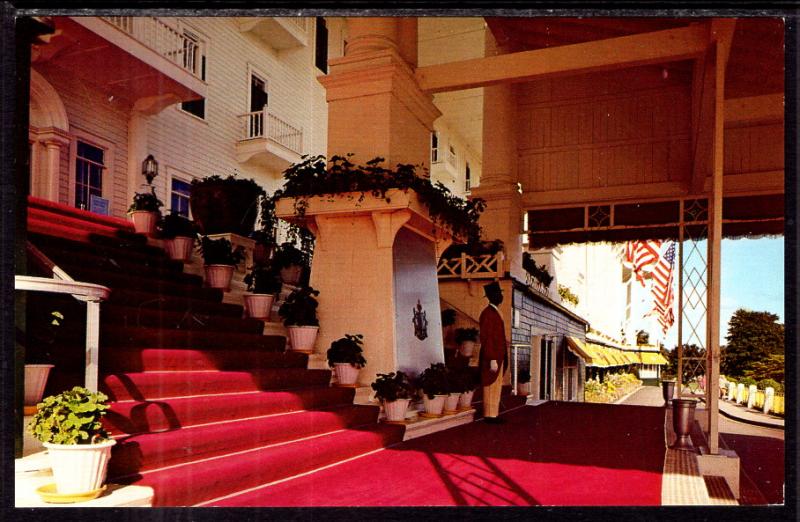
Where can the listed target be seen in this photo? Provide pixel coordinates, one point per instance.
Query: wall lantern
(149, 168)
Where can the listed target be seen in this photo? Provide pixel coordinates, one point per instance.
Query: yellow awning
(653, 358)
(580, 349)
(633, 357)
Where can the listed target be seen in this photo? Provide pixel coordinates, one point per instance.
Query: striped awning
(599, 356)
(653, 358)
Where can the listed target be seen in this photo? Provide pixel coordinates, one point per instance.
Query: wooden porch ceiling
(755, 66)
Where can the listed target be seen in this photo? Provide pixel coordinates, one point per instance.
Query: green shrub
(219, 252)
(300, 308)
(71, 417)
(765, 383)
(433, 381)
(393, 386)
(747, 381)
(146, 201)
(263, 280)
(348, 350)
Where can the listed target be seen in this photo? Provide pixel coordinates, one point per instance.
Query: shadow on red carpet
(559, 453)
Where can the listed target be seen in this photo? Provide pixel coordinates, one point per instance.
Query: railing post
(515, 377)
(92, 344)
(463, 265)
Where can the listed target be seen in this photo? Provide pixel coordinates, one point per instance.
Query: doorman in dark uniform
(493, 354)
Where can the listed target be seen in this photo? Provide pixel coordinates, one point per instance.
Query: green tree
(772, 367)
(753, 337)
(689, 367)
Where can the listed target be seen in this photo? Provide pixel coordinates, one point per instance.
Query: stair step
(130, 316)
(115, 336)
(203, 481)
(73, 222)
(169, 414)
(152, 300)
(159, 385)
(46, 227)
(187, 359)
(128, 241)
(119, 279)
(87, 260)
(146, 451)
(85, 215)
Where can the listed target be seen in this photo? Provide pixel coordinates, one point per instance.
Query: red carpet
(564, 454)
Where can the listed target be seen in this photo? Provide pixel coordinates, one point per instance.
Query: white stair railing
(92, 294)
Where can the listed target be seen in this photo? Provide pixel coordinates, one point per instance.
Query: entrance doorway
(545, 368)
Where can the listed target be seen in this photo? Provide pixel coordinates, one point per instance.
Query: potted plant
(433, 384)
(219, 258)
(394, 391)
(221, 205)
(299, 313)
(179, 235)
(144, 211)
(38, 357)
(68, 424)
(345, 357)
(265, 235)
(263, 284)
(524, 382)
(455, 386)
(466, 339)
(469, 380)
(291, 261)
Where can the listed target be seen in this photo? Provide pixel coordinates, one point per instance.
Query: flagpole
(679, 377)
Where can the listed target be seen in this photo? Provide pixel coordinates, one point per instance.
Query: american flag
(639, 255)
(663, 295)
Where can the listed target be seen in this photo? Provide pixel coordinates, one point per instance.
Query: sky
(752, 278)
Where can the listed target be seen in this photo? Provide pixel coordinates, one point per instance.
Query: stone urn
(682, 421)
(667, 391)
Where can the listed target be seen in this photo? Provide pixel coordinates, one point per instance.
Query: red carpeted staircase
(203, 405)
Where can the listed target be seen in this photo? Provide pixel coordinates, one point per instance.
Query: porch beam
(613, 53)
(722, 29)
(751, 110)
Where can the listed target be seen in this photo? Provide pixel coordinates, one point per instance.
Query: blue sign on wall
(98, 205)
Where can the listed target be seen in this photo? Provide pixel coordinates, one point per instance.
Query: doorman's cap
(492, 288)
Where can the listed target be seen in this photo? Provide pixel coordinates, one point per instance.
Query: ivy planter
(451, 403)
(258, 306)
(222, 205)
(179, 248)
(35, 381)
(144, 221)
(346, 374)
(396, 410)
(434, 407)
(302, 338)
(465, 400)
(79, 468)
(219, 276)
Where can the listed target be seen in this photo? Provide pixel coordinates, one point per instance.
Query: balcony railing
(472, 267)
(264, 124)
(180, 47)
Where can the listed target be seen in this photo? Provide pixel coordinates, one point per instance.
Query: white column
(137, 151)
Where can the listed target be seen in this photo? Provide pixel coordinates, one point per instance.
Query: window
(89, 166)
(321, 49)
(451, 155)
(435, 147)
(195, 108)
(467, 180)
(194, 60)
(259, 97)
(179, 198)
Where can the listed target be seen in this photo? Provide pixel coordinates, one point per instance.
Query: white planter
(258, 306)
(35, 381)
(291, 275)
(396, 410)
(434, 406)
(451, 402)
(144, 221)
(179, 248)
(79, 468)
(465, 401)
(219, 276)
(346, 373)
(524, 388)
(466, 348)
(303, 337)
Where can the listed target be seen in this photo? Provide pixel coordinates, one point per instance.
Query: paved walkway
(741, 413)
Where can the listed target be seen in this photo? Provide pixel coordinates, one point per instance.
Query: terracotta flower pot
(258, 306)
(346, 373)
(396, 410)
(291, 275)
(451, 402)
(219, 276)
(466, 348)
(303, 337)
(79, 468)
(179, 248)
(434, 406)
(35, 381)
(465, 400)
(144, 221)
